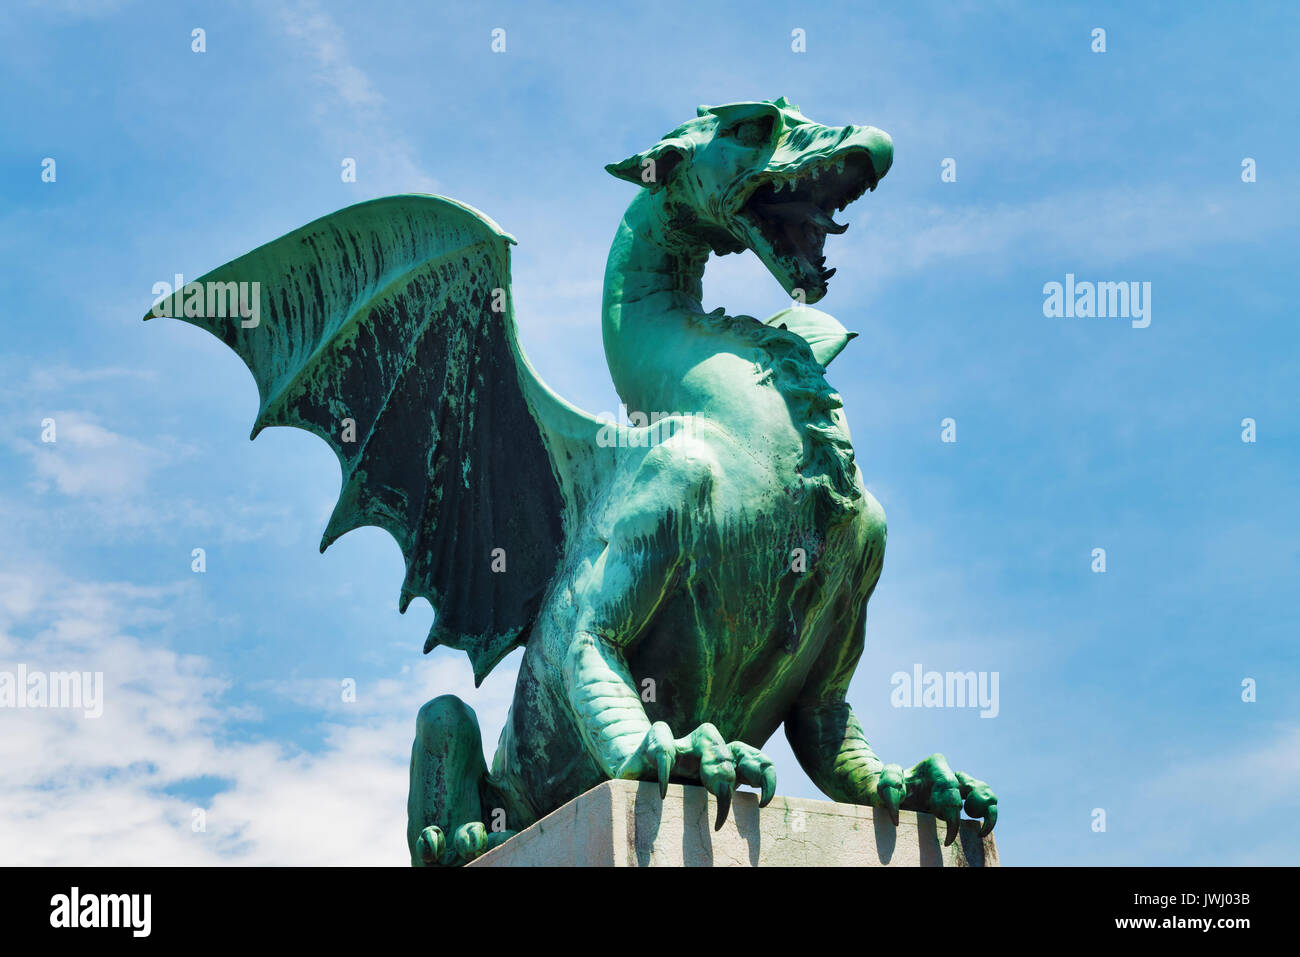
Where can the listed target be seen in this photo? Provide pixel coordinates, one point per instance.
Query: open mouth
(792, 213)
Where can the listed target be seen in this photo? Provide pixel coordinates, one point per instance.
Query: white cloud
(58, 377)
(92, 791)
(1096, 226)
(88, 459)
(101, 483)
(350, 112)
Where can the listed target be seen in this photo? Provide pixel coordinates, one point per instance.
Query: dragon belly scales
(723, 555)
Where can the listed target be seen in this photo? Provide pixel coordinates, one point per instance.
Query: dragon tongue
(795, 212)
(824, 221)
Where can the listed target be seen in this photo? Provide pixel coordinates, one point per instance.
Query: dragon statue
(683, 582)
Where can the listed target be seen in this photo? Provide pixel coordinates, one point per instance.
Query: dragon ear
(655, 167)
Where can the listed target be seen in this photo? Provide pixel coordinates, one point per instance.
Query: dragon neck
(656, 332)
(653, 286)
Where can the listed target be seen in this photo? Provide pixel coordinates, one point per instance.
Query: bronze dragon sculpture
(683, 583)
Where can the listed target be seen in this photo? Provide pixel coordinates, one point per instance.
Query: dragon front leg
(448, 800)
(626, 744)
(615, 596)
(829, 743)
(832, 748)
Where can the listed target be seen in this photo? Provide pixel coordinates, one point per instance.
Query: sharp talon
(990, 818)
(953, 825)
(724, 805)
(665, 772)
(890, 799)
(769, 787)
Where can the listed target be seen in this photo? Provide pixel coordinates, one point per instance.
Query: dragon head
(762, 176)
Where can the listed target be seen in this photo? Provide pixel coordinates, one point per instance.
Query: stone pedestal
(624, 824)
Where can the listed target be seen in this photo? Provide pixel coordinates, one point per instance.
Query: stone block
(624, 824)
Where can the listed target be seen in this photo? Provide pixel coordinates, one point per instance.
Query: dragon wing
(387, 329)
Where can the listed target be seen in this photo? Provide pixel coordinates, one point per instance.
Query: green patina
(682, 588)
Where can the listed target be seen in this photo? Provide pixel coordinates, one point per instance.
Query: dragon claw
(471, 840)
(890, 790)
(769, 787)
(755, 769)
(724, 805)
(705, 756)
(658, 754)
(429, 845)
(979, 800)
(665, 772)
(953, 821)
(932, 786)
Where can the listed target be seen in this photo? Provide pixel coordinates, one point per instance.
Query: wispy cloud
(1096, 226)
(1265, 772)
(88, 459)
(107, 482)
(62, 376)
(350, 111)
(110, 790)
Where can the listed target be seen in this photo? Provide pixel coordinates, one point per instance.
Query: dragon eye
(755, 132)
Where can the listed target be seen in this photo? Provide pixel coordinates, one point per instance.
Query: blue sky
(1120, 691)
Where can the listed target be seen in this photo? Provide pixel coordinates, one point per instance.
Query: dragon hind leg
(444, 810)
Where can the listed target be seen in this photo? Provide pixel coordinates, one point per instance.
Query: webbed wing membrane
(377, 332)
